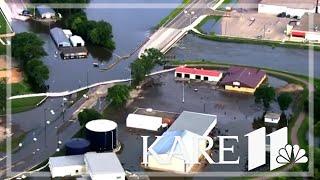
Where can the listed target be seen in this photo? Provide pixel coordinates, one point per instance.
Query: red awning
(195, 71)
(298, 33)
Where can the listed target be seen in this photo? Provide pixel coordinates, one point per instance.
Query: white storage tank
(102, 135)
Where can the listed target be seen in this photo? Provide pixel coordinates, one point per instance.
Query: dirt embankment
(12, 74)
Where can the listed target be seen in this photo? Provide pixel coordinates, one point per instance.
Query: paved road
(174, 30)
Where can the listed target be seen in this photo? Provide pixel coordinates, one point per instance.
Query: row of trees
(27, 49)
(266, 94)
(96, 32)
(143, 65)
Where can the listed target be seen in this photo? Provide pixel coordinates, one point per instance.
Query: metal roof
(103, 163)
(197, 123)
(247, 77)
(59, 37)
(165, 143)
(272, 115)
(195, 71)
(295, 4)
(43, 9)
(64, 161)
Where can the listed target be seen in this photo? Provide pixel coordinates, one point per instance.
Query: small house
(76, 41)
(46, 12)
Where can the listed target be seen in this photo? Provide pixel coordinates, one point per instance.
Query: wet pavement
(235, 114)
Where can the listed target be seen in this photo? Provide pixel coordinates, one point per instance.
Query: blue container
(77, 146)
(102, 135)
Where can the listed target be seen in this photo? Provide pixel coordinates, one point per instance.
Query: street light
(189, 14)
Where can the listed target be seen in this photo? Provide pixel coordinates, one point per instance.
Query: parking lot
(235, 114)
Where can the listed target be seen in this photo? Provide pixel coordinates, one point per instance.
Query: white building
(272, 118)
(290, 7)
(76, 41)
(67, 32)
(190, 126)
(99, 166)
(102, 166)
(64, 166)
(140, 121)
(198, 74)
(46, 12)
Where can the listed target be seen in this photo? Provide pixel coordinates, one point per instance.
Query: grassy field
(173, 13)
(20, 88)
(14, 143)
(3, 24)
(25, 104)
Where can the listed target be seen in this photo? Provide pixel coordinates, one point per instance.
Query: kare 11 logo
(190, 148)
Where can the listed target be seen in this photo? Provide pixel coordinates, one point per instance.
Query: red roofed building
(198, 74)
(243, 79)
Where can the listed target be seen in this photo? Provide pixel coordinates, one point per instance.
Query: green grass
(20, 88)
(14, 143)
(304, 128)
(25, 104)
(3, 24)
(273, 44)
(173, 13)
(2, 49)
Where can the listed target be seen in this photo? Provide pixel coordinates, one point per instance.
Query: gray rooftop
(102, 163)
(63, 161)
(42, 9)
(197, 123)
(59, 37)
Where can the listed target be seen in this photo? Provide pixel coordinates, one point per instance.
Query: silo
(77, 146)
(102, 135)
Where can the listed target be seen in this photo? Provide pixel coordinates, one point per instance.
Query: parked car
(282, 15)
(25, 13)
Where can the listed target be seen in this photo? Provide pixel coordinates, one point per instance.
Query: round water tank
(102, 135)
(77, 146)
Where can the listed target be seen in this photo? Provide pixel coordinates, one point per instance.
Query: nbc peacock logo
(292, 154)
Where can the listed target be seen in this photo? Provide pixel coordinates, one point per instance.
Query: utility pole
(183, 92)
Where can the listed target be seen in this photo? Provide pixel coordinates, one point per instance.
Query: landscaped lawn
(24, 104)
(3, 23)
(14, 143)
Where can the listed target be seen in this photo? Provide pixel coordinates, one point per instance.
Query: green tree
(118, 95)
(266, 94)
(37, 74)
(153, 55)
(284, 101)
(101, 35)
(87, 115)
(3, 96)
(27, 46)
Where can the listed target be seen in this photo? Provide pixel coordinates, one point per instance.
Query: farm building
(140, 121)
(190, 126)
(302, 29)
(46, 12)
(290, 7)
(63, 166)
(91, 163)
(272, 118)
(243, 79)
(59, 37)
(198, 74)
(76, 41)
(102, 166)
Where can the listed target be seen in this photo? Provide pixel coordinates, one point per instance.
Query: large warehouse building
(190, 126)
(290, 7)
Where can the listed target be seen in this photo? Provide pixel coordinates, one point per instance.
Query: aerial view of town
(159, 89)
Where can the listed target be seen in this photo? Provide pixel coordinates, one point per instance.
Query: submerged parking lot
(235, 113)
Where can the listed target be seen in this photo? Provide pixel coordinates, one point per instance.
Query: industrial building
(46, 12)
(76, 41)
(198, 74)
(272, 117)
(290, 7)
(302, 29)
(190, 126)
(64, 166)
(58, 36)
(102, 135)
(73, 52)
(99, 166)
(243, 79)
(102, 166)
(140, 121)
